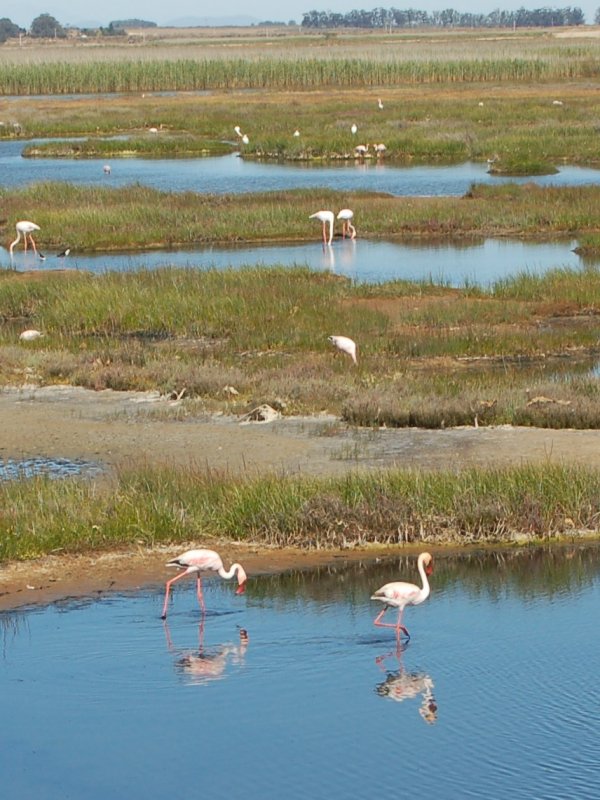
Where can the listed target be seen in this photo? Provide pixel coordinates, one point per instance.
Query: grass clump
(159, 505)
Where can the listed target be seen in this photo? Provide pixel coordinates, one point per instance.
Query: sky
(76, 12)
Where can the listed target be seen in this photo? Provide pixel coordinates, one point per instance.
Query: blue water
(232, 174)
(361, 260)
(495, 696)
(17, 469)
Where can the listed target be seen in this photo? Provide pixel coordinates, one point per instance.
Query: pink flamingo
(346, 215)
(327, 218)
(25, 228)
(197, 561)
(345, 345)
(399, 594)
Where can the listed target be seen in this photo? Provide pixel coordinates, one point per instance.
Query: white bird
(345, 344)
(557, 102)
(327, 218)
(194, 562)
(106, 169)
(379, 149)
(152, 130)
(25, 228)
(353, 128)
(245, 139)
(30, 335)
(380, 103)
(346, 215)
(296, 133)
(64, 253)
(400, 594)
(361, 150)
(238, 130)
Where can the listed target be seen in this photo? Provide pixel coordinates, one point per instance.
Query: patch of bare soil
(121, 429)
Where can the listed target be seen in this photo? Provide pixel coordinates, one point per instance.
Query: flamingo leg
(324, 233)
(397, 626)
(32, 244)
(377, 620)
(199, 593)
(168, 589)
(352, 230)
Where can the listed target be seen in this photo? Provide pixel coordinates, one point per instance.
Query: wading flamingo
(399, 594)
(345, 344)
(193, 562)
(25, 228)
(346, 215)
(327, 218)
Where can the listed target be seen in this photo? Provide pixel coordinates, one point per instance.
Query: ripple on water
(16, 469)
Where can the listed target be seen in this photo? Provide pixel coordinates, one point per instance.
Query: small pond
(495, 696)
(361, 260)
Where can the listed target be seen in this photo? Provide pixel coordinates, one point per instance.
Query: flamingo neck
(425, 588)
(227, 574)
(16, 241)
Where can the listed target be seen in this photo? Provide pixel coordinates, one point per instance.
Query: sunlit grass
(151, 506)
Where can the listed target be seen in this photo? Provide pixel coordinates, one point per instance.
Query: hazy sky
(77, 11)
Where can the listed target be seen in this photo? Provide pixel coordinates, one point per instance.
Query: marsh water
(495, 696)
(480, 262)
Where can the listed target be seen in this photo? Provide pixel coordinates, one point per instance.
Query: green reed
(158, 505)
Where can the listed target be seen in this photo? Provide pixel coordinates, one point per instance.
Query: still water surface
(496, 695)
(232, 174)
(362, 260)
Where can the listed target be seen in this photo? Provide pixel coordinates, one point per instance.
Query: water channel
(495, 696)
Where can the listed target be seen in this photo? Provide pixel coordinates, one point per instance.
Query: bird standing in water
(193, 562)
(327, 218)
(25, 228)
(399, 594)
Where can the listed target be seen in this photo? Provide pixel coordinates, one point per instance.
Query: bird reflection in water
(401, 685)
(208, 664)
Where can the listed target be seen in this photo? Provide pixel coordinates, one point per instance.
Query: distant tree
(47, 27)
(8, 29)
(597, 16)
(132, 23)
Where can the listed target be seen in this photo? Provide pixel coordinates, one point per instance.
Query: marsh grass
(135, 217)
(147, 506)
(428, 356)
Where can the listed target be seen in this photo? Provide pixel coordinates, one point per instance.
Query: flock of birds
(397, 594)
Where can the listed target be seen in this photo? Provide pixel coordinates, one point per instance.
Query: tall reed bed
(284, 73)
(158, 505)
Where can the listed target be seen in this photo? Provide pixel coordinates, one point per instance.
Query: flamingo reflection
(208, 664)
(401, 685)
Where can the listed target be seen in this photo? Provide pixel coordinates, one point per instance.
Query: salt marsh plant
(161, 505)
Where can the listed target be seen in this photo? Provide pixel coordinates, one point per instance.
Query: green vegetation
(520, 352)
(152, 506)
(134, 217)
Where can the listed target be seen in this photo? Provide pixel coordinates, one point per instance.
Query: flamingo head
(427, 560)
(242, 578)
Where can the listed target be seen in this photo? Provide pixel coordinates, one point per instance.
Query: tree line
(45, 26)
(448, 18)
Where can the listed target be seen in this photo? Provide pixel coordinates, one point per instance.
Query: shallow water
(495, 696)
(17, 469)
(361, 260)
(232, 174)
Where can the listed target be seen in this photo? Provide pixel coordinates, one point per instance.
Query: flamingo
(345, 344)
(30, 335)
(361, 150)
(238, 130)
(327, 218)
(380, 104)
(399, 594)
(245, 139)
(379, 149)
(346, 215)
(197, 561)
(25, 228)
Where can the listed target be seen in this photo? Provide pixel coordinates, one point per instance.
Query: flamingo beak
(241, 588)
(429, 568)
